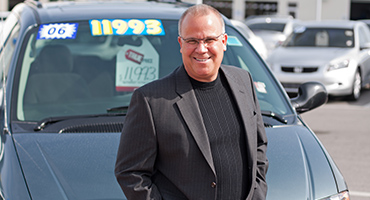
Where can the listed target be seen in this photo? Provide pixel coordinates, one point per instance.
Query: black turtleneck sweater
(226, 136)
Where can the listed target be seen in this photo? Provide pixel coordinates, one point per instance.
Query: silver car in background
(272, 29)
(335, 53)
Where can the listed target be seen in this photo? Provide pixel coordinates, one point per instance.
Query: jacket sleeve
(137, 151)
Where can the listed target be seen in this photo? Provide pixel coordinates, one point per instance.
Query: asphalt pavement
(344, 129)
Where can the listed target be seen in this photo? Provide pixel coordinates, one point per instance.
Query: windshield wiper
(50, 120)
(119, 109)
(274, 115)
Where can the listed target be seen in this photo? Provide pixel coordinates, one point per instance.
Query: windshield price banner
(100, 27)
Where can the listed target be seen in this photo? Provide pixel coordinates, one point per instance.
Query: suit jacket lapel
(189, 109)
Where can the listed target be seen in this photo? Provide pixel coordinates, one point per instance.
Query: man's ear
(180, 42)
(224, 41)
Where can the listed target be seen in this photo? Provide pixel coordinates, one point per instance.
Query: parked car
(335, 53)
(69, 70)
(255, 41)
(272, 29)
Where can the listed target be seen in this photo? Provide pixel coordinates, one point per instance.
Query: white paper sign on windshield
(136, 66)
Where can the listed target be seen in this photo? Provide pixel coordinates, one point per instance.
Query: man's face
(202, 59)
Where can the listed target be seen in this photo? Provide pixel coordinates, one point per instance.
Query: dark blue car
(68, 70)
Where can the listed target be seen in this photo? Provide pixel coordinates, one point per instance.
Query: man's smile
(202, 59)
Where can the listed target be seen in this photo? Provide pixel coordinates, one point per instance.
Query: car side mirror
(310, 95)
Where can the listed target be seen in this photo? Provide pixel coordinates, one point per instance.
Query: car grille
(94, 128)
(297, 69)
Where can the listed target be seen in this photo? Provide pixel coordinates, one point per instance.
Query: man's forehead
(211, 17)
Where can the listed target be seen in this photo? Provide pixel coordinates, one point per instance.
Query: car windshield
(267, 26)
(321, 37)
(92, 67)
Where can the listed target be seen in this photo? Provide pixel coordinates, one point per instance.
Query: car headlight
(338, 65)
(341, 196)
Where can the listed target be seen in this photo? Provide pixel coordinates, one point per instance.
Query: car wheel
(356, 87)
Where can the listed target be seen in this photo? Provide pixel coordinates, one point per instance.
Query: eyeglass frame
(203, 39)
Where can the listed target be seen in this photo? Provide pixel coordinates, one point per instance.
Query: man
(197, 133)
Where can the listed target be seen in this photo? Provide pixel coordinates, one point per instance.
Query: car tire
(356, 87)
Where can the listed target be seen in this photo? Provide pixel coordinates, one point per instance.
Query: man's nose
(202, 46)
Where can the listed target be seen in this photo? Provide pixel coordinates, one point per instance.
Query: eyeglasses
(208, 41)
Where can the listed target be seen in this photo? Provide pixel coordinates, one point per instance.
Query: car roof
(331, 24)
(74, 11)
(36, 12)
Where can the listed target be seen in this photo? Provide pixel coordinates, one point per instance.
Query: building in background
(300, 9)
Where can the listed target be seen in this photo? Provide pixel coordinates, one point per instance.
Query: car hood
(298, 166)
(69, 166)
(81, 166)
(308, 56)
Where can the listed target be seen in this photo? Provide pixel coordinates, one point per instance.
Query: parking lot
(344, 129)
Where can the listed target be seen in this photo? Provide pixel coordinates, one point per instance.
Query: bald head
(200, 10)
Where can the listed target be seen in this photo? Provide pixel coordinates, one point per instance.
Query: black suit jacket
(164, 151)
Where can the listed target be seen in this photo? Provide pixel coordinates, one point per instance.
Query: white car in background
(335, 53)
(256, 41)
(272, 29)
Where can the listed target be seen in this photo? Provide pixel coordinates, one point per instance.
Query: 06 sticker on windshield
(57, 31)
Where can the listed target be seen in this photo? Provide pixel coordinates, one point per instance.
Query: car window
(89, 67)
(321, 37)
(240, 54)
